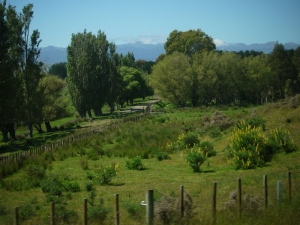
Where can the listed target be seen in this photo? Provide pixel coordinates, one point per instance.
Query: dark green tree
(10, 83)
(282, 65)
(59, 69)
(31, 68)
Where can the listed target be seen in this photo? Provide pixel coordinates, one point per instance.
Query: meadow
(103, 165)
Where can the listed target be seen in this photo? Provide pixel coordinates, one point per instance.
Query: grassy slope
(167, 176)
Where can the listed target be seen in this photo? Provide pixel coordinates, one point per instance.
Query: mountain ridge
(150, 52)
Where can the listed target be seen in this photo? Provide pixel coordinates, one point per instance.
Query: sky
(151, 21)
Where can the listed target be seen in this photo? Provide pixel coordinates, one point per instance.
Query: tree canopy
(189, 42)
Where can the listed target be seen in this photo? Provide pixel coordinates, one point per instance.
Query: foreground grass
(165, 177)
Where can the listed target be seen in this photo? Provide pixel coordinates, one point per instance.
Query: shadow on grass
(208, 171)
(116, 184)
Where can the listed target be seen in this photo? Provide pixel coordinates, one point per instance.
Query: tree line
(93, 76)
(97, 75)
(193, 71)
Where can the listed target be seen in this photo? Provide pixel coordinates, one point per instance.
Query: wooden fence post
(84, 211)
(214, 202)
(149, 207)
(117, 215)
(278, 192)
(265, 177)
(16, 217)
(289, 184)
(181, 201)
(52, 213)
(239, 196)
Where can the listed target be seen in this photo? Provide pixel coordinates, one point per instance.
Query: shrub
(84, 163)
(26, 211)
(104, 175)
(89, 186)
(195, 158)
(98, 212)
(280, 140)
(247, 147)
(190, 139)
(207, 148)
(215, 132)
(135, 163)
(35, 175)
(162, 156)
(71, 186)
(62, 214)
(134, 209)
(94, 153)
(253, 122)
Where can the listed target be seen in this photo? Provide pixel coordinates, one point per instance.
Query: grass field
(73, 167)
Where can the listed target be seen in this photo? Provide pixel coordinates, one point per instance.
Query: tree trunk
(48, 126)
(11, 130)
(90, 114)
(38, 127)
(98, 112)
(29, 128)
(4, 134)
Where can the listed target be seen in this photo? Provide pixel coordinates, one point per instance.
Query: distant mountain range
(150, 52)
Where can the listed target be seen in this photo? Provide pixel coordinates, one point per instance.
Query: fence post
(117, 216)
(239, 196)
(265, 177)
(181, 201)
(214, 202)
(16, 218)
(278, 192)
(289, 183)
(149, 207)
(84, 211)
(52, 213)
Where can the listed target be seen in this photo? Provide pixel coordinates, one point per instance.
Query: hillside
(75, 170)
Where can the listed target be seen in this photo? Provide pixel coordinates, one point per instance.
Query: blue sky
(151, 21)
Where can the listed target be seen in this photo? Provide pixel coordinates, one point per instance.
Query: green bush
(162, 156)
(207, 148)
(71, 186)
(65, 216)
(247, 147)
(280, 140)
(190, 139)
(135, 163)
(89, 186)
(104, 175)
(253, 122)
(84, 163)
(134, 209)
(195, 158)
(98, 212)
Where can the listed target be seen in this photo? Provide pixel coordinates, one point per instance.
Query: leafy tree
(160, 58)
(59, 69)
(55, 102)
(296, 60)
(134, 84)
(30, 67)
(114, 79)
(170, 78)
(282, 65)
(189, 42)
(81, 68)
(127, 60)
(145, 66)
(10, 85)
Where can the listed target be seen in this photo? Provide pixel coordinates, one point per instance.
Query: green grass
(147, 138)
